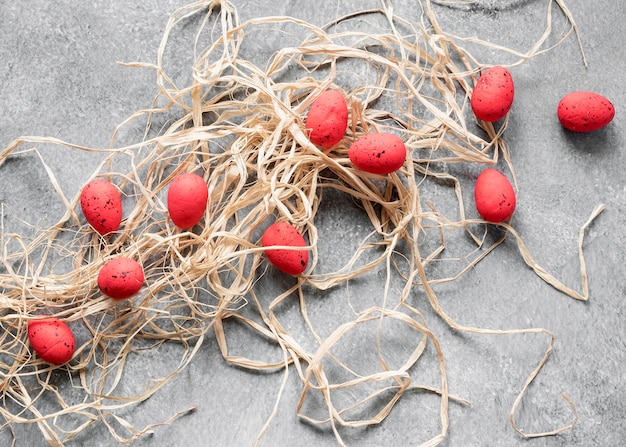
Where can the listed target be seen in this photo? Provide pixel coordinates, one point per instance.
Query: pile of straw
(241, 126)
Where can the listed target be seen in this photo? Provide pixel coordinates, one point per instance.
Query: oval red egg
(585, 111)
(327, 120)
(187, 200)
(494, 196)
(292, 262)
(52, 340)
(378, 153)
(101, 204)
(493, 94)
(120, 278)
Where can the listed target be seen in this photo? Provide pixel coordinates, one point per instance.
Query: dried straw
(241, 126)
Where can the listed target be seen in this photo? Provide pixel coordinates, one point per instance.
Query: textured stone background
(59, 78)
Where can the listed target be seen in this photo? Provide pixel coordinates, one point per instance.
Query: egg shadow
(605, 140)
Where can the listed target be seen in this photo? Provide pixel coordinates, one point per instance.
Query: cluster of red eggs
(377, 153)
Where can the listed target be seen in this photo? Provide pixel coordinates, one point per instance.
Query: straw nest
(241, 126)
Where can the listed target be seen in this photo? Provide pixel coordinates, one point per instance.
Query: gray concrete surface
(59, 78)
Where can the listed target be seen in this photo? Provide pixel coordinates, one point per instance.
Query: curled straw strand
(241, 127)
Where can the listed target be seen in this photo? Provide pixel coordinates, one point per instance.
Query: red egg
(327, 120)
(120, 278)
(378, 153)
(292, 262)
(187, 200)
(493, 94)
(494, 196)
(52, 340)
(101, 204)
(585, 111)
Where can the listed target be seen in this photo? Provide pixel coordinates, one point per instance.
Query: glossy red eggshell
(327, 120)
(52, 340)
(120, 278)
(378, 153)
(585, 111)
(187, 200)
(493, 94)
(494, 196)
(293, 262)
(101, 204)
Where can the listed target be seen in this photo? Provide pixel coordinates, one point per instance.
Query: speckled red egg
(187, 200)
(293, 262)
(52, 340)
(585, 111)
(494, 196)
(120, 278)
(378, 153)
(101, 204)
(493, 94)
(327, 120)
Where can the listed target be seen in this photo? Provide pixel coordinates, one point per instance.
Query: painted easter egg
(327, 120)
(101, 204)
(52, 340)
(187, 200)
(494, 196)
(293, 262)
(585, 111)
(120, 278)
(378, 153)
(493, 94)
